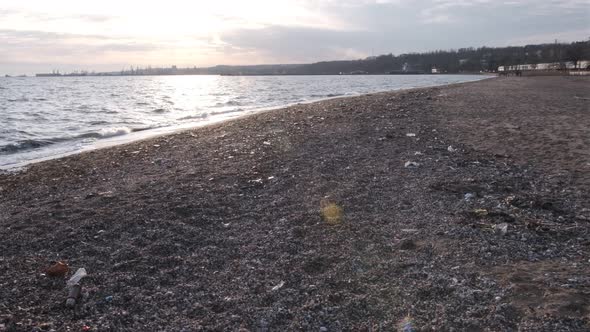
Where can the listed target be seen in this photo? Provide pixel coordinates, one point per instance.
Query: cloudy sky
(41, 35)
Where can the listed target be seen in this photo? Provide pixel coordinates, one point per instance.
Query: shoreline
(465, 207)
(162, 131)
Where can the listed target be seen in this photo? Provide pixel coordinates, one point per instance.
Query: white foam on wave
(115, 131)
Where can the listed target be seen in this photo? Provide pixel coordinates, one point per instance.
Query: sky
(40, 35)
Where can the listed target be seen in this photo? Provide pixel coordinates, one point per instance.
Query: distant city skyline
(40, 36)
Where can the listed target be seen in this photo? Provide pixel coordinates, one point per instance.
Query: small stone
(411, 164)
(323, 329)
(407, 244)
(501, 228)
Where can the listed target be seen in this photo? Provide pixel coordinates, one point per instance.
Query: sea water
(41, 118)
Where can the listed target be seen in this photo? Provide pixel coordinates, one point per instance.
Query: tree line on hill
(464, 60)
(486, 59)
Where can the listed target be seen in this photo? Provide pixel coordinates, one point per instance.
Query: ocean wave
(205, 115)
(31, 144)
(28, 144)
(116, 131)
(195, 116)
(228, 103)
(235, 110)
(106, 133)
(328, 95)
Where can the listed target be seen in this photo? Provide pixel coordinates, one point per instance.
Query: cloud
(455, 11)
(297, 44)
(36, 16)
(55, 48)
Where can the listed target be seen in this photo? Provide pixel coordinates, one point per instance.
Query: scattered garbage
(59, 269)
(406, 325)
(411, 135)
(74, 287)
(278, 286)
(480, 212)
(332, 213)
(469, 196)
(75, 279)
(108, 299)
(501, 228)
(451, 149)
(411, 164)
(266, 143)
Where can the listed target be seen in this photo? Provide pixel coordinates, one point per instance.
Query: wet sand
(219, 228)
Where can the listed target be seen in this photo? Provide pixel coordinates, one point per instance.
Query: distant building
(547, 66)
(435, 70)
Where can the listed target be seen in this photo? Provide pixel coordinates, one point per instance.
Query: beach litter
(406, 325)
(411, 164)
(501, 228)
(331, 213)
(59, 269)
(74, 287)
(451, 149)
(469, 196)
(278, 286)
(480, 212)
(411, 135)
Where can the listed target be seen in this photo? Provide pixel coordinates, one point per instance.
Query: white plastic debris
(411, 164)
(75, 279)
(266, 143)
(411, 135)
(451, 149)
(279, 286)
(469, 196)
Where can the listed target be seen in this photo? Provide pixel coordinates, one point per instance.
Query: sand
(219, 228)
